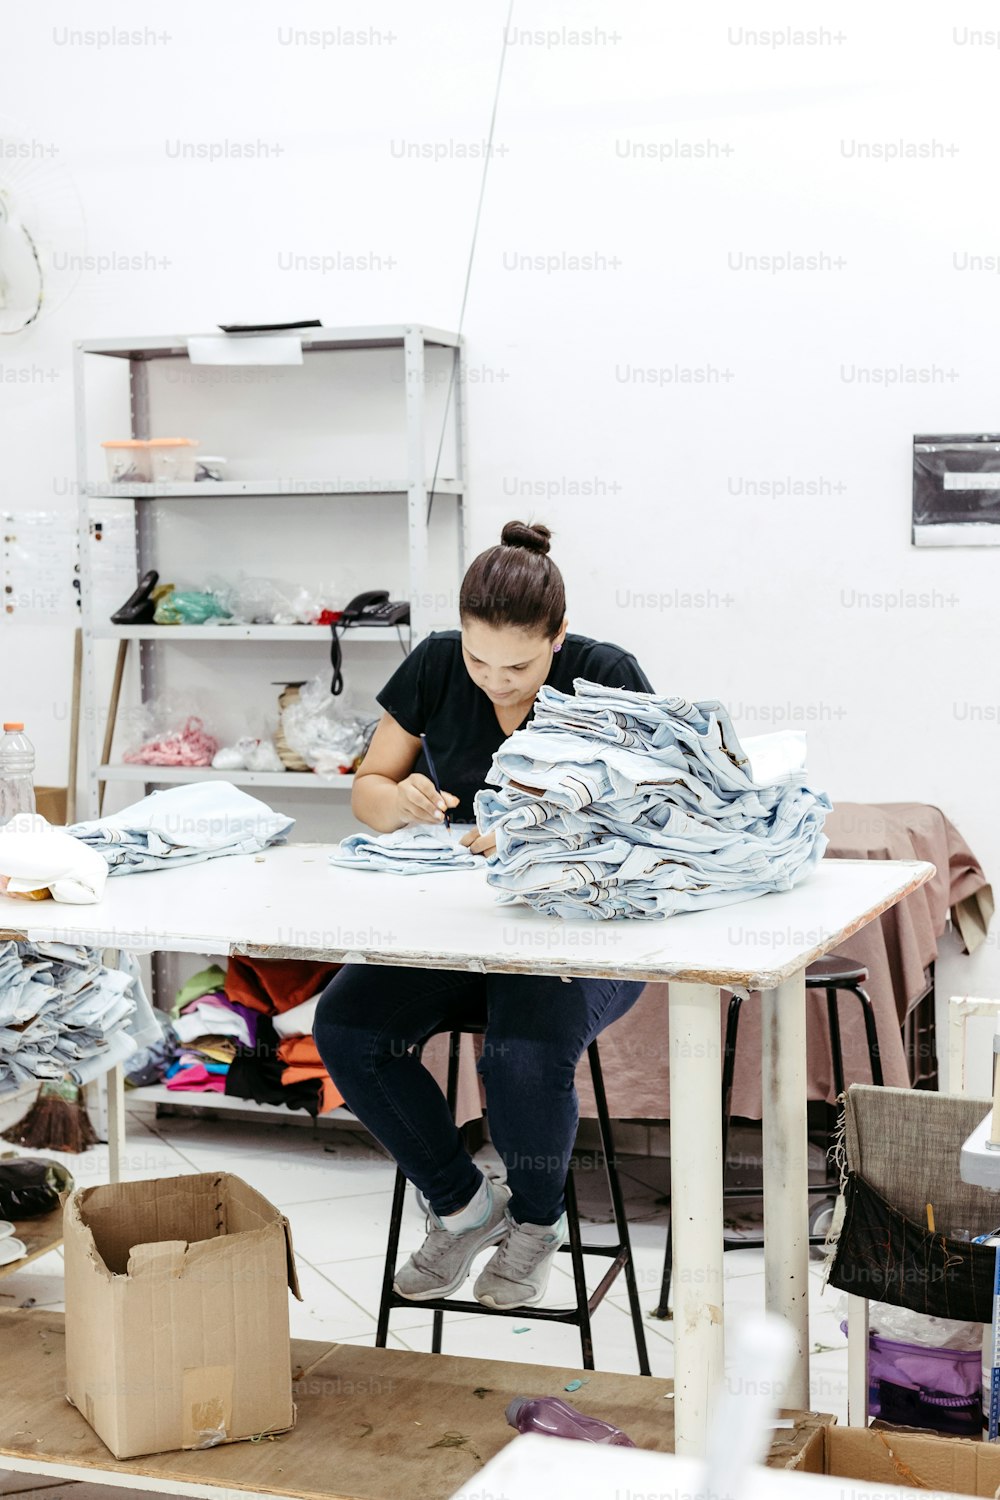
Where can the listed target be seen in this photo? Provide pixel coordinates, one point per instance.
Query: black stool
(831, 974)
(619, 1253)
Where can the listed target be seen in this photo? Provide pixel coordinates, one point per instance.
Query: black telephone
(375, 608)
(139, 606)
(372, 608)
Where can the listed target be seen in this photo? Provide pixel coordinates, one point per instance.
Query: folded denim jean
(63, 1011)
(183, 825)
(419, 849)
(614, 803)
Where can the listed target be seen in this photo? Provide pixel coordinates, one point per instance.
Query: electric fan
(42, 231)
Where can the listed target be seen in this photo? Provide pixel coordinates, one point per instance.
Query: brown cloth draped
(897, 950)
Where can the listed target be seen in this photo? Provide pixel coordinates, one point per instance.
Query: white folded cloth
(182, 825)
(298, 1021)
(35, 856)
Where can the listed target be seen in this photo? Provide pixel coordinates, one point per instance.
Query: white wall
(657, 488)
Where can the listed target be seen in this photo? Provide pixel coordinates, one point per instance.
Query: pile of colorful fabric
(247, 1032)
(208, 1025)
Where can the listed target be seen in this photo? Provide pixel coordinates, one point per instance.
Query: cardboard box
(902, 1457)
(50, 801)
(177, 1312)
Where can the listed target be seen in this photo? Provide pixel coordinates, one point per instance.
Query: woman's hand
(419, 801)
(480, 843)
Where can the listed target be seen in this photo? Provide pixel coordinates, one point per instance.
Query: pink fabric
(187, 746)
(197, 1079)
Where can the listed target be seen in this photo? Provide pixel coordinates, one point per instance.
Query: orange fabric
(302, 1061)
(275, 984)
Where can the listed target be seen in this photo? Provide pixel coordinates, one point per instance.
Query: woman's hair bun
(534, 538)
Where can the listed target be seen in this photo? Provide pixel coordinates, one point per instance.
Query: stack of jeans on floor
(64, 1013)
(183, 825)
(620, 804)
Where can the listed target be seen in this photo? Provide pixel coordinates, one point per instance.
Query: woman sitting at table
(466, 691)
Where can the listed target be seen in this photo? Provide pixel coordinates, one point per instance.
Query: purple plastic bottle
(555, 1418)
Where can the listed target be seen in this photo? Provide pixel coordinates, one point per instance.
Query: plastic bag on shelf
(248, 754)
(919, 1328)
(165, 733)
(272, 601)
(188, 607)
(330, 735)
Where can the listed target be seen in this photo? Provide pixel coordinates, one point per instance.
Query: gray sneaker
(517, 1275)
(443, 1261)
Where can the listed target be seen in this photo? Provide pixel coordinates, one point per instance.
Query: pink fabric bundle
(188, 746)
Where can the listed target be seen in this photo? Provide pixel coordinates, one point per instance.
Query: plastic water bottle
(17, 770)
(555, 1418)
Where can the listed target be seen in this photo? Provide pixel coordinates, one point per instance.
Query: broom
(57, 1121)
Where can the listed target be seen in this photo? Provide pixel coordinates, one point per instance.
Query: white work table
(290, 903)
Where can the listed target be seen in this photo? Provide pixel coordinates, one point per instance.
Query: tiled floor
(335, 1187)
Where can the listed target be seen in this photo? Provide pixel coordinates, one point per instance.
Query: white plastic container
(172, 459)
(128, 460)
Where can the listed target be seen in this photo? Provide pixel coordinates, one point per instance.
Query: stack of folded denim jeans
(183, 825)
(615, 803)
(418, 849)
(64, 1013)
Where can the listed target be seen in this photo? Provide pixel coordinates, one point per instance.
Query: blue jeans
(537, 1029)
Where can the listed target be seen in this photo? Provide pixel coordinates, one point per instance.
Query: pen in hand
(434, 775)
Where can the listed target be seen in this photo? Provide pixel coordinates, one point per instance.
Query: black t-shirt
(433, 694)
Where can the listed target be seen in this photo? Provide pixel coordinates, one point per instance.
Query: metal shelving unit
(415, 487)
(158, 1093)
(316, 635)
(164, 775)
(412, 340)
(215, 489)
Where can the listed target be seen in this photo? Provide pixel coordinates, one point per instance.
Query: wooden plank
(373, 1424)
(39, 1236)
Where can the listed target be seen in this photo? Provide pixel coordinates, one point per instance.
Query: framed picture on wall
(956, 490)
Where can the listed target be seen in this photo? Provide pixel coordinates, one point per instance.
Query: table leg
(116, 1122)
(786, 1161)
(696, 1208)
(857, 1361)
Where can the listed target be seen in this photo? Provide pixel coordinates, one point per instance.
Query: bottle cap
(12, 725)
(514, 1407)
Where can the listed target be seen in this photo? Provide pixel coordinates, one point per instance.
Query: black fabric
(903, 1407)
(432, 693)
(886, 1257)
(255, 1073)
(26, 1189)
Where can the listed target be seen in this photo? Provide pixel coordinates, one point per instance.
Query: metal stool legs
(620, 1253)
(618, 1208)
(871, 1036)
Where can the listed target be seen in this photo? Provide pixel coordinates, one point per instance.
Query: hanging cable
(472, 253)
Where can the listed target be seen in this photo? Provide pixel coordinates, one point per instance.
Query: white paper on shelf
(245, 349)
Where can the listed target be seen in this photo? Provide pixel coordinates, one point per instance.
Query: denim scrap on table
(615, 803)
(183, 825)
(418, 849)
(65, 1013)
